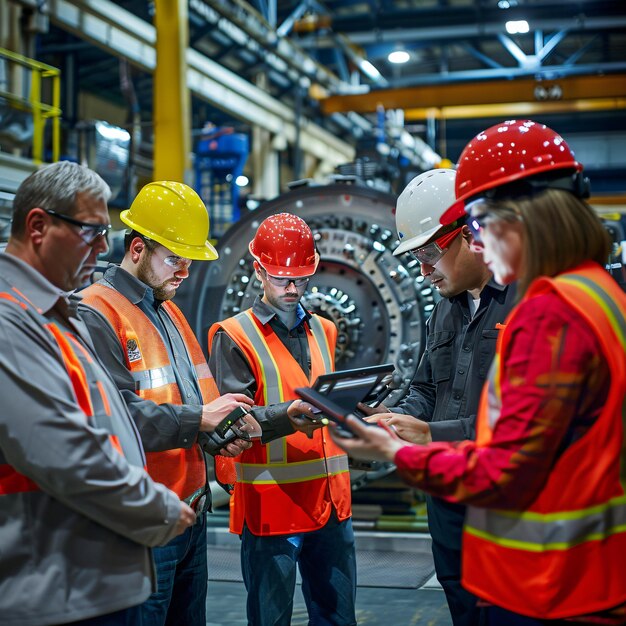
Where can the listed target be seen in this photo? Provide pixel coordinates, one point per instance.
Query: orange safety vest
(93, 402)
(564, 556)
(291, 484)
(180, 469)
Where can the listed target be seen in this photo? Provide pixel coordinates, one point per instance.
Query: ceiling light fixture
(398, 56)
(514, 27)
(369, 69)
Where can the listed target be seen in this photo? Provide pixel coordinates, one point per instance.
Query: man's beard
(146, 275)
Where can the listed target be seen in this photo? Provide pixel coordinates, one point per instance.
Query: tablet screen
(349, 387)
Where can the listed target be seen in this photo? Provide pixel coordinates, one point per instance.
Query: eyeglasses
(284, 282)
(432, 253)
(477, 223)
(172, 260)
(88, 232)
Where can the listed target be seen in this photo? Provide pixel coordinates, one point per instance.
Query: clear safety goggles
(432, 252)
(171, 260)
(284, 282)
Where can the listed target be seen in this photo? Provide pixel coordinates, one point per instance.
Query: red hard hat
(284, 246)
(504, 153)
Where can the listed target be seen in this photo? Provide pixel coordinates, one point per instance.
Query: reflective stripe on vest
(293, 472)
(272, 390)
(154, 378)
(607, 304)
(538, 532)
(322, 340)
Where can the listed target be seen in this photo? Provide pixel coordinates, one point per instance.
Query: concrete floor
(396, 585)
(375, 606)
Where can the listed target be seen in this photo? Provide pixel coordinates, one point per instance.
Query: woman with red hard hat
(545, 531)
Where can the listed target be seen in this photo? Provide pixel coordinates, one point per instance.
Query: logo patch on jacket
(132, 349)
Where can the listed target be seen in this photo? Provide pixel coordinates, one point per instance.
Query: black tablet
(327, 407)
(349, 387)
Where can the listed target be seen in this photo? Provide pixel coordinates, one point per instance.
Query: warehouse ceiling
(329, 62)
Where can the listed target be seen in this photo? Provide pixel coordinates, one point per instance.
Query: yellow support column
(38, 120)
(171, 96)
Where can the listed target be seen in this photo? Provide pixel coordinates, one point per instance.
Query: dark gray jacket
(459, 350)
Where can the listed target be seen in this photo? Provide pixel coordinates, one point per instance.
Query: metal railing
(41, 111)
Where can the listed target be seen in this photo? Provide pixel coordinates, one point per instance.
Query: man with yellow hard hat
(156, 361)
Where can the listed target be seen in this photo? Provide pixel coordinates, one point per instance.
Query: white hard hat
(420, 205)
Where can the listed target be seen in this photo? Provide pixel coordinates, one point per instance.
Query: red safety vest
(565, 555)
(180, 469)
(289, 485)
(94, 403)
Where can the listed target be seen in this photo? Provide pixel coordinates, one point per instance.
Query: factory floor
(396, 583)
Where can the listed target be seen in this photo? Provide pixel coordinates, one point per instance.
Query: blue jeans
(125, 617)
(327, 563)
(182, 580)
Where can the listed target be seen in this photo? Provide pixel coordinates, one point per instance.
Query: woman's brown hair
(561, 231)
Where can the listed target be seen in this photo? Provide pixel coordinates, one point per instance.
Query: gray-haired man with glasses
(78, 511)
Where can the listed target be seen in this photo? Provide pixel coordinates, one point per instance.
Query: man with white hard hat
(460, 344)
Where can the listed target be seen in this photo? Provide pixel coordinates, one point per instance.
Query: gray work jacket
(76, 516)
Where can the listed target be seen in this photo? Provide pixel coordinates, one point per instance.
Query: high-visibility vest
(291, 484)
(180, 469)
(90, 393)
(564, 555)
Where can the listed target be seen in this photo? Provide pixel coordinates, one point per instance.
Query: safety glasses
(171, 260)
(432, 252)
(88, 232)
(476, 223)
(479, 221)
(284, 282)
(176, 262)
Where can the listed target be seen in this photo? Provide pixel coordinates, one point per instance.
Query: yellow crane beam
(584, 92)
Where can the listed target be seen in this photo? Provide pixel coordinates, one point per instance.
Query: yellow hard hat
(173, 215)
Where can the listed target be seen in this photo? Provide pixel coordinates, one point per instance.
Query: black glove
(212, 443)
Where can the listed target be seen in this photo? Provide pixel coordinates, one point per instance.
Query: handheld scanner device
(230, 420)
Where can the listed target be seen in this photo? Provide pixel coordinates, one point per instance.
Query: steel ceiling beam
(488, 92)
(122, 34)
(469, 31)
(515, 109)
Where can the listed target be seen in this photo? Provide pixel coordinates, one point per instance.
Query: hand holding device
(225, 432)
(329, 408)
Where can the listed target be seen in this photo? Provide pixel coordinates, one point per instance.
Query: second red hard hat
(284, 246)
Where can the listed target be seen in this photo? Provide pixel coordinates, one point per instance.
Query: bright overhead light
(398, 56)
(241, 181)
(517, 26)
(369, 69)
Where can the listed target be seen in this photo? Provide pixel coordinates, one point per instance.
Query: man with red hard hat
(292, 502)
